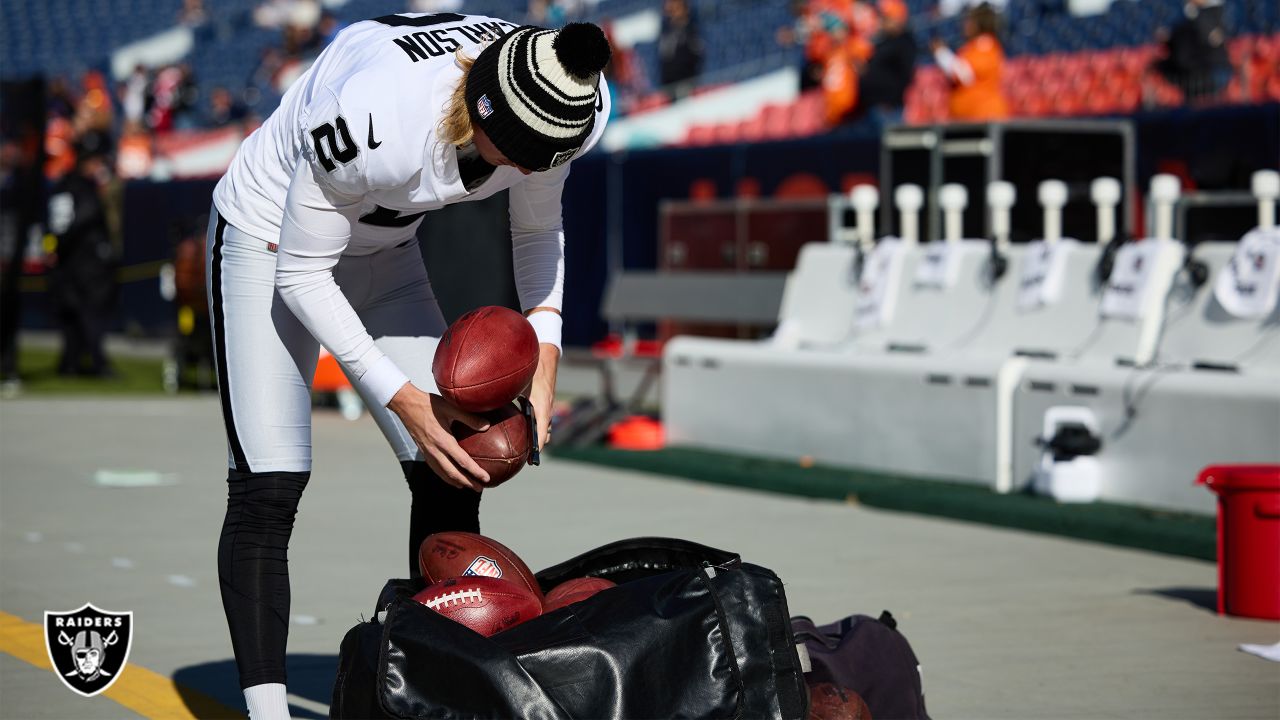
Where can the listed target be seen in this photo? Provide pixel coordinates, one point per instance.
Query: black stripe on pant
(220, 349)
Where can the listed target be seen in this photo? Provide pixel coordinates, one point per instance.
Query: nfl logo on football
(484, 567)
(88, 647)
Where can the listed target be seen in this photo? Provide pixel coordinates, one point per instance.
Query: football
(575, 590)
(485, 359)
(503, 449)
(832, 702)
(462, 554)
(486, 605)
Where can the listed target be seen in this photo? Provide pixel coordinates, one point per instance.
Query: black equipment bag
(870, 657)
(690, 632)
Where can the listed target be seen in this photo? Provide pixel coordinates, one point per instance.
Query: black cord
(1131, 398)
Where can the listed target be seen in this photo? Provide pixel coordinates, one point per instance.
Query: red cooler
(1248, 538)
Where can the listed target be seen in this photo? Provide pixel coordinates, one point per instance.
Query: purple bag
(868, 656)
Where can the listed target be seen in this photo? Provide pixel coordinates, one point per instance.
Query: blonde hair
(455, 127)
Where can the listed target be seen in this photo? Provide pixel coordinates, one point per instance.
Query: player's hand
(542, 391)
(428, 419)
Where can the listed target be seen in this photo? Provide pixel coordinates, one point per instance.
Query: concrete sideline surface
(1007, 624)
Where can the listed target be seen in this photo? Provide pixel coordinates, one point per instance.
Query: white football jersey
(350, 162)
(365, 116)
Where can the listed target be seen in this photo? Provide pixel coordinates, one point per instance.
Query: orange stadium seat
(774, 117)
(752, 129)
(727, 132)
(699, 135)
(807, 114)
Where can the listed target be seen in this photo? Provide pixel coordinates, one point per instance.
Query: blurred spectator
(59, 102)
(133, 95)
(864, 19)
(285, 13)
(891, 68)
(827, 28)
(134, 153)
(552, 13)
(839, 76)
(947, 8)
(625, 75)
(173, 99)
(59, 146)
(974, 71)
(192, 13)
(680, 48)
(82, 279)
(225, 109)
(1196, 50)
(263, 78)
(94, 111)
(328, 28)
(301, 41)
(22, 186)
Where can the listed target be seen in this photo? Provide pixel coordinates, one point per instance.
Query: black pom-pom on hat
(582, 49)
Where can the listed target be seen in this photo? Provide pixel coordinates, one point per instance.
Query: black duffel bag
(690, 632)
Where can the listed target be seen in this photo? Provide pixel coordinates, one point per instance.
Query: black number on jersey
(386, 217)
(334, 144)
(424, 21)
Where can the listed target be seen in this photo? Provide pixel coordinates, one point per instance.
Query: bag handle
(707, 572)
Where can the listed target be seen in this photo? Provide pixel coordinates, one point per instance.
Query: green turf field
(38, 368)
(1164, 532)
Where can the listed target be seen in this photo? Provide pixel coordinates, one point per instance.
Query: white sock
(267, 702)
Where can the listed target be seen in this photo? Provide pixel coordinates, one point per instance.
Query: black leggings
(253, 563)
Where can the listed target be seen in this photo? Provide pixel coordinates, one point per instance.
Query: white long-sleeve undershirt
(316, 230)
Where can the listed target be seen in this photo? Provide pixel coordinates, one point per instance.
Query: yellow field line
(143, 691)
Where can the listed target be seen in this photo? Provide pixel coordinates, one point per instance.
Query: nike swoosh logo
(373, 144)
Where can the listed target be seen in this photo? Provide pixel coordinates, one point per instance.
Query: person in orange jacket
(840, 75)
(975, 70)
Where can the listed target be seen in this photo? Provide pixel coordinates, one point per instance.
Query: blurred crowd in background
(858, 57)
(861, 55)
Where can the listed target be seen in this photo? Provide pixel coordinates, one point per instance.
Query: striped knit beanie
(534, 92)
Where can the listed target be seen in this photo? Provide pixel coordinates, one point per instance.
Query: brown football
(447, 555)
(832, 702)
(503, 449)
(575, 590)
(484, 604)
(485, 359)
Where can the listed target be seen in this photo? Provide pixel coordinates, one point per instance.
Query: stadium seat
(726, 133)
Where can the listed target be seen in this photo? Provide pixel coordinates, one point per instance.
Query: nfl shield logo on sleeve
(484, 567)
(88, 647)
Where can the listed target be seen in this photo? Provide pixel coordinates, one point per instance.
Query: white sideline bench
(1212, 396)
(633, 297)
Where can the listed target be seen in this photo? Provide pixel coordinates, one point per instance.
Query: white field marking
(33, 537)
(122, 563)
(306, 620)
(133, 478)
(181, 581)
(457, 597)
(308, 704)
(73, 547)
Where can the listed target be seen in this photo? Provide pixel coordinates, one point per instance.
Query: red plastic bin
(1248, 538)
